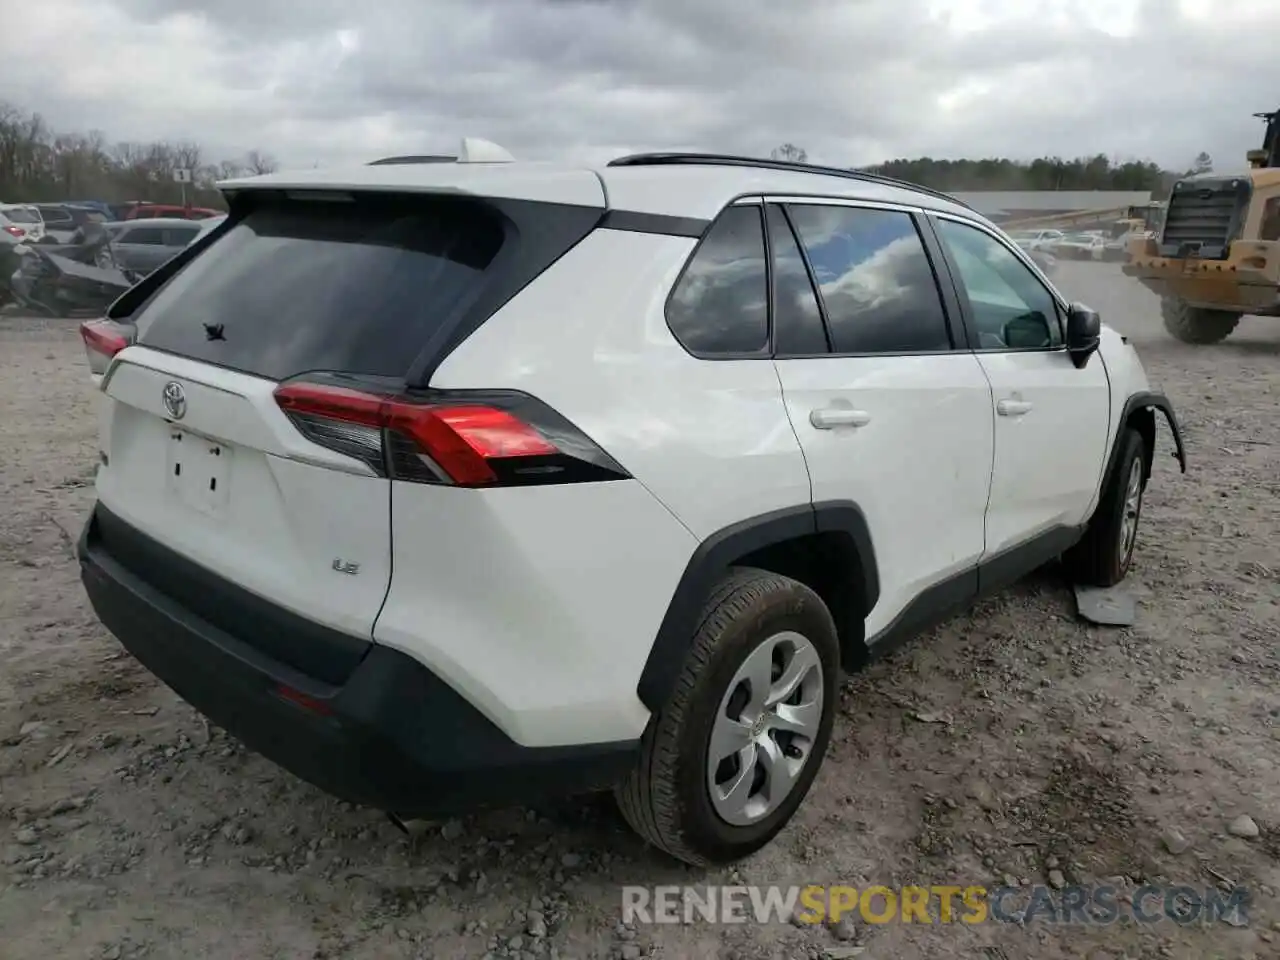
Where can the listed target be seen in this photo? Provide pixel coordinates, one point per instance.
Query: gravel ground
(1014, 744)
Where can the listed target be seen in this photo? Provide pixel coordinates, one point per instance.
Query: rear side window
(55, 215)
(357, 287)
(152, 236)
(720, 304)
(875, 280)
(179, 236)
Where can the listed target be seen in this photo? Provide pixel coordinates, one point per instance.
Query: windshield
(21, 214)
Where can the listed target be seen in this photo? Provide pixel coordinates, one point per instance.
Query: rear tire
(719, 728)
(1196, 324)
(1103, 556)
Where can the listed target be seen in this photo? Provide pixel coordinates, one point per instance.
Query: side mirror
(1030, 331)
(1084, 331)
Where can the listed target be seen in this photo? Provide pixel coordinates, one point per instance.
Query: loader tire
(1196, 324)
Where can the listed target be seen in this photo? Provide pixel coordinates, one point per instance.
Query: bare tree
(259, 163)
(790, 152)
(1203, 163)
(38, 164)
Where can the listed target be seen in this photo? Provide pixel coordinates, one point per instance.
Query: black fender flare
(713, 558)
(1146, 400)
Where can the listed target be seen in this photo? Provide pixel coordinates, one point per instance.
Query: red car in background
(142, 209)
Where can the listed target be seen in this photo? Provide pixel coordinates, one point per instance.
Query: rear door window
(875, 279)
(297, 286)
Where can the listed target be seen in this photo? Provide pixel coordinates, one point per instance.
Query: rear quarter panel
(709, 438)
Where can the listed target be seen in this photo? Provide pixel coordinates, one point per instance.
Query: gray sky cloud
(852, 81)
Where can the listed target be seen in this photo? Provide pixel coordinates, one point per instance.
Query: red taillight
(102, 341)
(15, 231)
(465, 441)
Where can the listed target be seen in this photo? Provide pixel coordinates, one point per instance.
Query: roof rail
(728, 160)
(426, 158)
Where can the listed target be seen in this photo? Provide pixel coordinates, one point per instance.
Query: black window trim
(962, 296)
(943, 286)
(766, 351)
(809, 274)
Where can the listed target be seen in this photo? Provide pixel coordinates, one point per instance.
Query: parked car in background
(1036, 239)
(142, 245)
(10, 260)
(172, 211)
(61, 220)
(22, 221)
(1080, 246)
(1114, 250)
(103, 208)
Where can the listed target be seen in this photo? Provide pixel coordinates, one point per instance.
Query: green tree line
(1098, 172)
(1045, 173)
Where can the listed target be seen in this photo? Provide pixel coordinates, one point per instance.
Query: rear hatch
(24, 223)
(207, 451)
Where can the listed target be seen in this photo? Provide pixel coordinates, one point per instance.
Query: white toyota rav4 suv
(454, 482)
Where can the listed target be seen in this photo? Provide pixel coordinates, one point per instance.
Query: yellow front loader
(1217, 256)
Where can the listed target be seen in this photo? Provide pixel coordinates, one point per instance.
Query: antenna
(475, 150)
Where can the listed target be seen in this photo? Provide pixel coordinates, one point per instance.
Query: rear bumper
(392, 735)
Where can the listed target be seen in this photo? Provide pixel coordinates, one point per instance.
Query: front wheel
(1103, 556)
(1196, 324)
(729, 759)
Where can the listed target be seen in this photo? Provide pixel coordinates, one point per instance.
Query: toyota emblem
(175, 400)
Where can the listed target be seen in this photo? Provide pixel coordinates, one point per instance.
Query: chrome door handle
(1013, 408)
(829, 417)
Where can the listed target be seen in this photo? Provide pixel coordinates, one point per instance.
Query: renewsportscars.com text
(814, 904)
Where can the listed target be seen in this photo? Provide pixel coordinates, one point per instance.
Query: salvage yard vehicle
(1036, 239)
(142, 245)
(474, 481)
(1080, 246)
(1217, 256)
(22, 221)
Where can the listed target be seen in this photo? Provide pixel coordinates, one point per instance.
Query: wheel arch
(1139, 413)
(827, 546)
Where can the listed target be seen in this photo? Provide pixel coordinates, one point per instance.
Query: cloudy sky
(852, 81)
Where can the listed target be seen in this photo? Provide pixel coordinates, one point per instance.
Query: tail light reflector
(464, 440)
(102, 341)
(306, 701)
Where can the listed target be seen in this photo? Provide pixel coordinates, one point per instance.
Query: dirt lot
(1016, 744)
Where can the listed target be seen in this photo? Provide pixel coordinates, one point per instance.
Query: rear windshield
(21, 215)
(298, 286)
